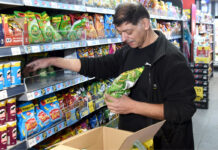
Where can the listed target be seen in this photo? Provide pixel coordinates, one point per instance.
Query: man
(164, 90)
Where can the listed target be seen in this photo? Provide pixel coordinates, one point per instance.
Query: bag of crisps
(27, 124)
(122, 84)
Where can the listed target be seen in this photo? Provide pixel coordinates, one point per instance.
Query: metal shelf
(12, 2)
(12, 91)
(46, 47)
(39, 86)
(208, 23)
(55, 128)
(165, 18)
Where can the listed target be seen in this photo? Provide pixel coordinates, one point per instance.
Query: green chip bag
(35, 35)
(122, 84)
(47, 29)
(65, 26)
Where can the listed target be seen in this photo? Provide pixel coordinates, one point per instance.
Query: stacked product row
(201, 75)
(23, 28)
(8, 123)
(78, 102)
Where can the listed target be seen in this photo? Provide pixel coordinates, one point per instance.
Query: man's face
(133, 35)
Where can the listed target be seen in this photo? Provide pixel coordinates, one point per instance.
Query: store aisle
(205, 121)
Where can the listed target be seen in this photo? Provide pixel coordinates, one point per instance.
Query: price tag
(32, 142)
(30, 96)
(48, 90)
(38, 93)
(35, 49)
(15, 51)
(76, 7)
(109, 41)
(54, 5)
(96, 42)
(50, 132)
(57, 46)
(3, 94)
(84, 113)
(28, 2)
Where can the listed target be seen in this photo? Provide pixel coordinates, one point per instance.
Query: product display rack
(11, 92)
(36, 87)
(55, 128)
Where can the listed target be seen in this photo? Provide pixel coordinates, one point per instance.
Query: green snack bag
(56, 21)
(45, 26)
(122, 84)
(35, 35)
(47, 29)
(76, 29)
(65, 26)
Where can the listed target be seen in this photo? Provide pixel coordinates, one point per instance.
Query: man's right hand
(38, 64)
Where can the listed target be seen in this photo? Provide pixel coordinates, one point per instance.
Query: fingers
(110, 98)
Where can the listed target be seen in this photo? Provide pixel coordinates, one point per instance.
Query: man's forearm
(155, 111)
(70, 64)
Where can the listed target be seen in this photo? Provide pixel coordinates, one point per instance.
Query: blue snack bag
(50, 106)
(93, 121)
(27, 124)
(42, 118)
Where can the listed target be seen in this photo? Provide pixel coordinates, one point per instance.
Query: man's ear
(146, 23)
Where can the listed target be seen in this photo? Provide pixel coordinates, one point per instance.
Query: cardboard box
(104, 138)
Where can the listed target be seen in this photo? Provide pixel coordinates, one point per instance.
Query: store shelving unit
(36, 87)
(203, 52)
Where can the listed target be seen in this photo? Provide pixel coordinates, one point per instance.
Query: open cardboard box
(104, 138)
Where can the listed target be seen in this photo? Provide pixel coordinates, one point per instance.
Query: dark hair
(131, 13)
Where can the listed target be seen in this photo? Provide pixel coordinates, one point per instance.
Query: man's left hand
(122, 105)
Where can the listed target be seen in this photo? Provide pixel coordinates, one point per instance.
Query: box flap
(113, 138)
(141, 135)
(91, 139)
(63, 147)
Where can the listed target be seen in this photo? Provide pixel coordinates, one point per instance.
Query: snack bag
(65, 26)
(56, 21)
(27, 124)
(76, 31)
(99, 25)
(122, 84)
(2, 112)
(91, 31)
(35, 34)
(42, 118)
(47, 29)
(109, 27)
(51, 107)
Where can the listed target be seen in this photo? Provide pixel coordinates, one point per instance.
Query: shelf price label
(59, 86)
(35, 49)
(30, 96)
(50, 132)
(15, 51)
(109, 41)
(28, 2)
(3, 94)
(48, 90)
(54, 5)
(32, 142)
